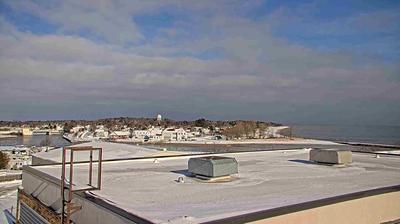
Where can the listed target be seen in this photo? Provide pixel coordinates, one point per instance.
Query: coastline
(8, 136)
(274, 144)
(271, 141)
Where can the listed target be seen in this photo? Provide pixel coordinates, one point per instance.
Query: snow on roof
(266, 180)
(110, 151)
(120, 133)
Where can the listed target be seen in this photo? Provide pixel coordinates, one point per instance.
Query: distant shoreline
(8, 136)
(271, 141)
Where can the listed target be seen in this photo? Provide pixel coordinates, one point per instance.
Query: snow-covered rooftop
(110, 151)
(266, 180)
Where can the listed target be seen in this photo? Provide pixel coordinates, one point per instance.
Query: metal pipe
(18, 207)
(63, 184)
(90, 167)
(71, 177)
(99, 168)
(71, 174)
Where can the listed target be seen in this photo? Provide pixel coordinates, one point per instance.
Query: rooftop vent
(331, 156)
(213, 167)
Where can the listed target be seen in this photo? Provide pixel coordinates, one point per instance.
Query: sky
(302, 62)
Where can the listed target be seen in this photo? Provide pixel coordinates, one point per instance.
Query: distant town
(133, 130)
(144, 129)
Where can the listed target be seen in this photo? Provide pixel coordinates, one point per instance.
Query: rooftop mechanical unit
(331, 156)
(212, 167)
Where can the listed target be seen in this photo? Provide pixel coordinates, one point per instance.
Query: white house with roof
(140, 134)
(274, 132)
(101, 133)
(120, 134)
(19, 156)
(156, 137)
(155, 134)
(174, 134)
(77, 129)
(17, 162)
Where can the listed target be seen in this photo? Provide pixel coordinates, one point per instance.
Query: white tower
(159, 117)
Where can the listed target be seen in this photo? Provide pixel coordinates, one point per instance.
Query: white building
(100, 133)
(274, 132)
(172, 134)
(155, 134)
(156, 138)
(140, 134)
(205, 131)
(77, 129)
(17, 162)
(120, 134)
(19, 156)
(27, 131)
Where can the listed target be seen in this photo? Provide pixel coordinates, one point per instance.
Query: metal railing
(69, 207)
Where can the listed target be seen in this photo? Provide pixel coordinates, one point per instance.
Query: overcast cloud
(294, 63)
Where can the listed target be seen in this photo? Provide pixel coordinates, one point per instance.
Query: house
(101, 134)
(77, 129)
(27, 131)
(140, 134)
(156, 138)
(275, 132)
(172, 134)
(17, 162)
(120, 134)
(19, 156)
(155, 134)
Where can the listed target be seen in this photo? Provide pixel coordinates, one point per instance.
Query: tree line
(246, 129)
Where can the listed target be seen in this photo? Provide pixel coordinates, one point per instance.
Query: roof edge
(269, 213)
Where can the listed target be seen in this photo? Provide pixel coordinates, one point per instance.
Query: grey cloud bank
(257, 75)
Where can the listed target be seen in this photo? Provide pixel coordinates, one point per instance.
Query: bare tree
(4, 159)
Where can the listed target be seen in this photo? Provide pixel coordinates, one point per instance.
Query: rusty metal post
(71, 174)
(90, 167)
(71, 177)
(18, 207)
(63, 171)
(100, 168)
(63, 184)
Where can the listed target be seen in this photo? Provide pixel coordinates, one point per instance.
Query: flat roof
(266, 180)
(110, 151)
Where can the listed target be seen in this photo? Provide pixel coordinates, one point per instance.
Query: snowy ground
(260, 141)
(8, 197)
(397, 152)
(110, 151)
(8, 136)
